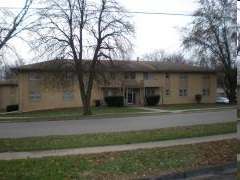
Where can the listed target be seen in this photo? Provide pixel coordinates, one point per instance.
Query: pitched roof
(118, 65)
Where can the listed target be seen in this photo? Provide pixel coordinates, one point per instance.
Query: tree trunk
(87, 107)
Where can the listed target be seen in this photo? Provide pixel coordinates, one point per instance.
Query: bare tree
(162, 55)
(11, 25)
(213, 33)
(80, 29)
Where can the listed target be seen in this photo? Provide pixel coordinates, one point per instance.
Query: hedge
(114, 101)
(152, 100)
(13, 107)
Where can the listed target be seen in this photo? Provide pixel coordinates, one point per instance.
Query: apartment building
(42, 86)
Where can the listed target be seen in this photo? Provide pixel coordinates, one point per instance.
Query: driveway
(44, 128)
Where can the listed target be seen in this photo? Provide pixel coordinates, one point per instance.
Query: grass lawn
(193, 106)
(121, 165)
(101, 139)
(73, 112)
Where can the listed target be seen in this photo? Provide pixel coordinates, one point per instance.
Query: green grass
(73, 112)
(121, 165)
(193, 106)
(101, 139)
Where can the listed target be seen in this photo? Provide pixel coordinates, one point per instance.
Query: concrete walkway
(113, 148)
(238, 157)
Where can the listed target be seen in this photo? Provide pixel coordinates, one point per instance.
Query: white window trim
(67, 95)
(34, 95)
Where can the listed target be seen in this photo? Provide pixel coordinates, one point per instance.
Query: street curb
(194, 172)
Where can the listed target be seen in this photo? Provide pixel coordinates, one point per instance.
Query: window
(112, 75)
(68, 76)
(67, 95)
(33, 76)
(34, 95)
(206, 77)
(129, 75)
(149, 92)
(206, 92)
(183, 76)
(167, 75)
(167, 92)
(182, 92)
(148, 76)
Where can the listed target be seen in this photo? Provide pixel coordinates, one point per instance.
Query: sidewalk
(156, 110)
(113, 148)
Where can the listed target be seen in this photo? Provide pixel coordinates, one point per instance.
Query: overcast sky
(152, 31)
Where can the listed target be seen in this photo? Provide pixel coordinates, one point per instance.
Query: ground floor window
(206, 92)
(149, 92)
(167, 92)
(182, 92)
(34, 95)
(67, 95)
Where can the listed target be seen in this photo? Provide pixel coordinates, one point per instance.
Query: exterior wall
(194, 86)
(8, 95)
(52, 98)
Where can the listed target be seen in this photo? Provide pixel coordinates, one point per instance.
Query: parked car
(222, 100)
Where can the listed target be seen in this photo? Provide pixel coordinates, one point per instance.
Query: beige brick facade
(174, 86)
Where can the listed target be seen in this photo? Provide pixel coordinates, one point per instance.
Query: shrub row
(115, 101)
(11, 108)
(152, 100)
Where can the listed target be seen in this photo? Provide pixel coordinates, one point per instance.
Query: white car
(222, 100)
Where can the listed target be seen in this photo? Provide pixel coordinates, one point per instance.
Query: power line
(128, 12)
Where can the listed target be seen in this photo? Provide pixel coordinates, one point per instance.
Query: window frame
(34, 95)
(129, 75)
(33, 76)
(69, 96)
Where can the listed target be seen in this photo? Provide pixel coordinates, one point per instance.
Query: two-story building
(42, 86)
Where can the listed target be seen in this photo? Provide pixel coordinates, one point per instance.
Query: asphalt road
(44, 128)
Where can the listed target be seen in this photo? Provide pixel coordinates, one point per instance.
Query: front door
(130, 96)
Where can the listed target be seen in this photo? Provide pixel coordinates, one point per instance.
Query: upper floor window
(68, 76)
(206, 76)
(183, 76)
(34, 76)
(112, 75)
(129, 75)
(148, 76)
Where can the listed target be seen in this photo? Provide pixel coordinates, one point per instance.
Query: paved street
(28, 129)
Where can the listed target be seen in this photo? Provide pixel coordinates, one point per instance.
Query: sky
(152, 31)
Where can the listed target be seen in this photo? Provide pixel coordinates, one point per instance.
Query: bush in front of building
(198, 98)
(13, 107)
(152, 100)
(114, 101)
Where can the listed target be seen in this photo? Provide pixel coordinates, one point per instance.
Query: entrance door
(130, 96)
